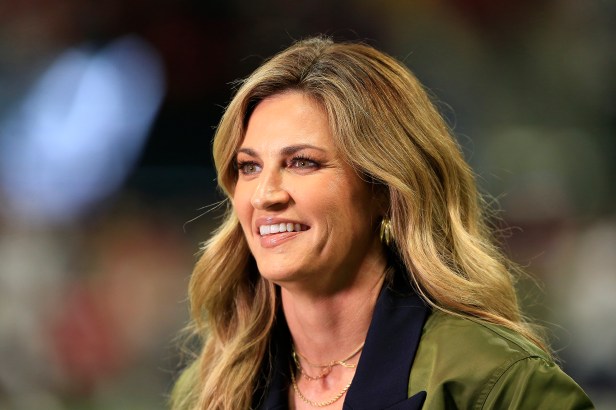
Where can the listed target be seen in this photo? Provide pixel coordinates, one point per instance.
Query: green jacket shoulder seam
(496, 376)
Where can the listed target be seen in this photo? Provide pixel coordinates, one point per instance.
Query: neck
(329, 328)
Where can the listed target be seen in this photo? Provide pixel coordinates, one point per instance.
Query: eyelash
(240, 166)
(298, 158)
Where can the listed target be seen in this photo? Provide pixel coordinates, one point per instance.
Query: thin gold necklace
(334, 362)
(317, 403)
(324, 372)
(327, 367)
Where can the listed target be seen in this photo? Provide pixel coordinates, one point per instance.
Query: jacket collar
(382, 377)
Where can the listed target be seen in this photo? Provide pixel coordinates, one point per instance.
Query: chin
(277, 273)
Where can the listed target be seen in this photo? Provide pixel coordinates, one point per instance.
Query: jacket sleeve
(533, 383)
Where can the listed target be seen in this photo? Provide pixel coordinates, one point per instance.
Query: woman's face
(307, 216)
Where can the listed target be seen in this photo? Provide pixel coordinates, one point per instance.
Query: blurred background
(107, 110)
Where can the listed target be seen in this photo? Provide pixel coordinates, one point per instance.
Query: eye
(248, 167)
(303, 163)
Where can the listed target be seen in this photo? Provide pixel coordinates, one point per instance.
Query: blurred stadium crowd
(107, 112)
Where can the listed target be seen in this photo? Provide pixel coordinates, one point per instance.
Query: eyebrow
(290, 150)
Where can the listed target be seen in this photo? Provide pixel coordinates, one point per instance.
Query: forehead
(288, 117)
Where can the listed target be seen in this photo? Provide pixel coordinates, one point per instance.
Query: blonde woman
(354, 269)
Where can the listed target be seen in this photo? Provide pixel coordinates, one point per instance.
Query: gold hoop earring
(386, 235)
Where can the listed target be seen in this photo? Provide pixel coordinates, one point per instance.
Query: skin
(330, 272)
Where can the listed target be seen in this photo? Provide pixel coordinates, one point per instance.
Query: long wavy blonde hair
(385, 125)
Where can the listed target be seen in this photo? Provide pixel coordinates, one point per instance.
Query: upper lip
(271, 220)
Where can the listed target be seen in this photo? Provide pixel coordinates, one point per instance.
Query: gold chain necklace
(333, 363)
(324, 372)
(317, 403)
(326, 369)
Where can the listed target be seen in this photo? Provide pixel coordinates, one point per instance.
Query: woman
(354, 268)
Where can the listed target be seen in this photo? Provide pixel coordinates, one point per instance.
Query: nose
(270, 191)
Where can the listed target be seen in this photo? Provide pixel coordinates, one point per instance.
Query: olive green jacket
(415, 358)
(467, 364)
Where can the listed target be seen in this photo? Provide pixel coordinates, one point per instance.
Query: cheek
(360, 207)
(352, 193)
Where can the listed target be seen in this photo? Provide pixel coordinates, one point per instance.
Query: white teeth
(281, 227)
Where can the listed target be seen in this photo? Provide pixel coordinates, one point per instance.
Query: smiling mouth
(280, 228)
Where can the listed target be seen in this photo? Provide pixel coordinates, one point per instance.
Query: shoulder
(467, 363)
(459, 335)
